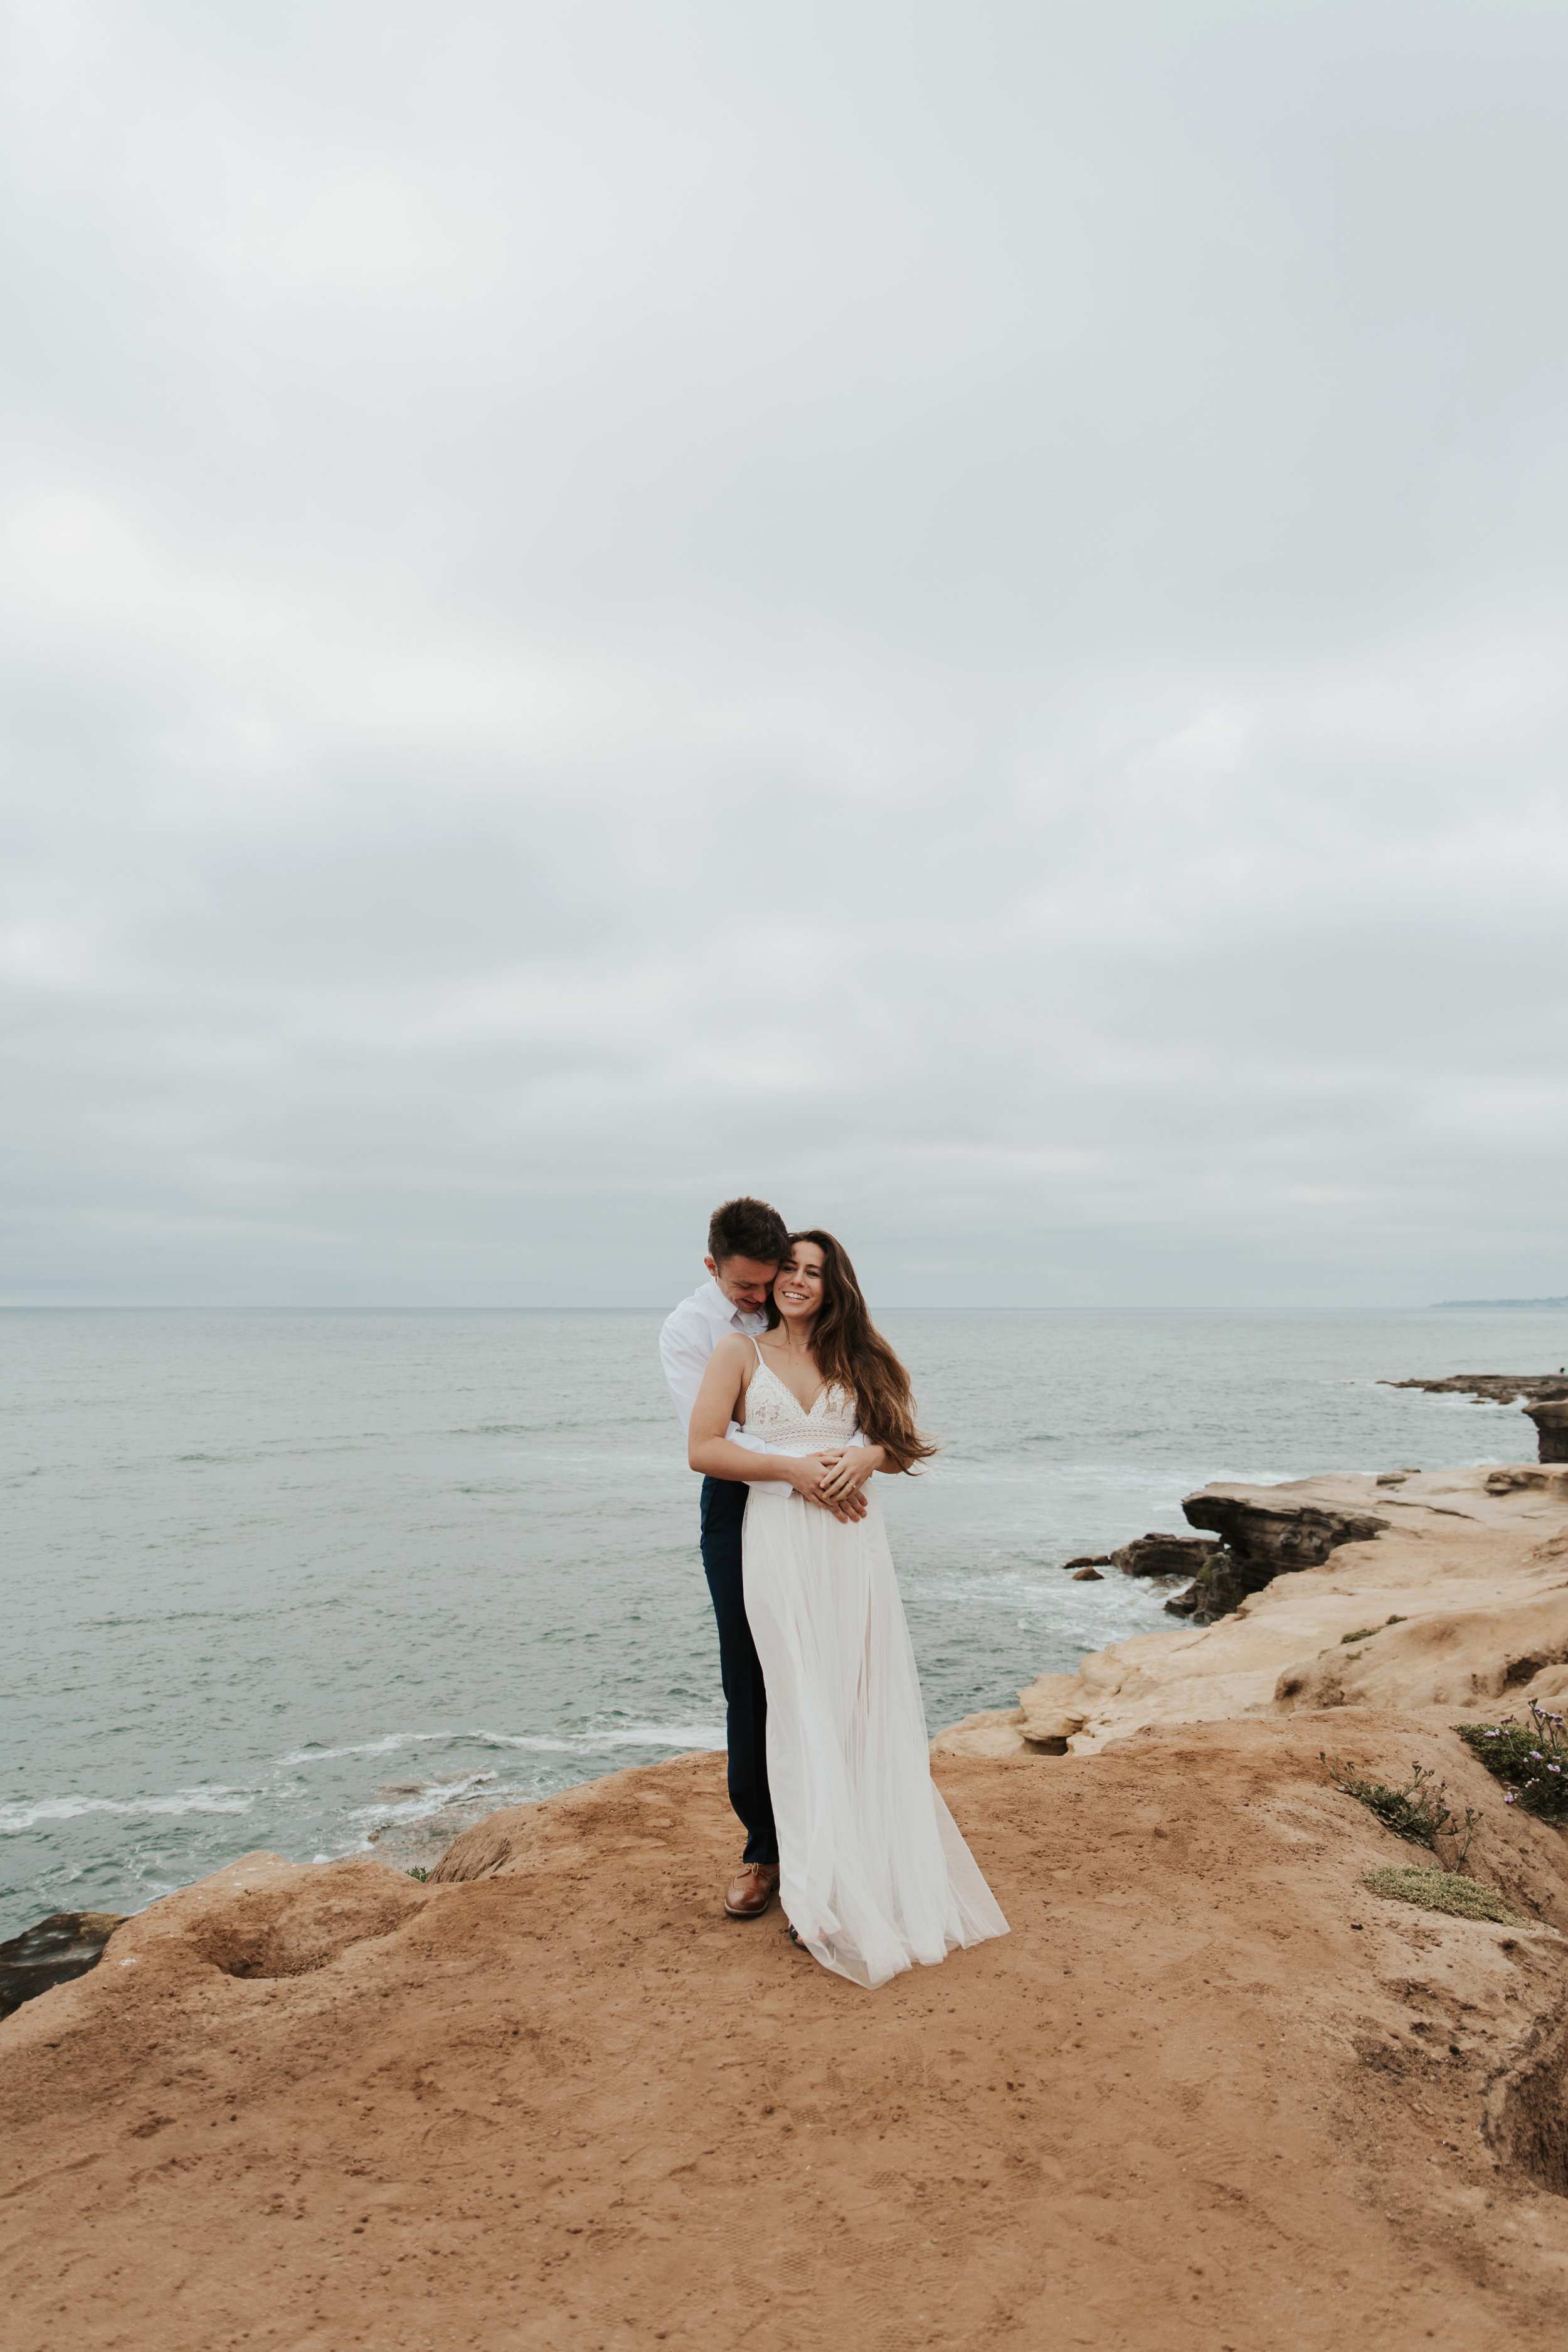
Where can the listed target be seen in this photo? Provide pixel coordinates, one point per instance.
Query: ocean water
(332, 1583)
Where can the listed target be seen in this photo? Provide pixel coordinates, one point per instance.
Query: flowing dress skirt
(873, 1872)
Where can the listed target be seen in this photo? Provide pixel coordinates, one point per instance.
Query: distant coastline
(1497, 1302)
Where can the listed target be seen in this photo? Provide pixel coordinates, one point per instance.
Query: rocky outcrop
(1493, 1388)
(993, 1732)
(1550, 1429)
(52, 1952)
(1051, 1711)
(1262, 1539)
(1222, 1588)
(1512, 1478)
(1262, 1525)
(1544, 1396)
(1162, 1555)
(1462, 1573)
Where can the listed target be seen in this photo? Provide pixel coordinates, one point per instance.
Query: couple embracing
(792, 1403)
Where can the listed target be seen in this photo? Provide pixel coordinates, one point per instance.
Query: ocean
(335, 1583)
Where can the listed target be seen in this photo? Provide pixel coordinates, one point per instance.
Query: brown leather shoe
(751, 1889)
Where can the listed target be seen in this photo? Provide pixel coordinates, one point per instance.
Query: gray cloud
(953, 615)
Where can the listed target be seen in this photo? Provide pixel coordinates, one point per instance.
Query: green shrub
(1531, 1757)
(1441, 1890)
(420, 1874)
(1367, 1631)
(1418, 1810)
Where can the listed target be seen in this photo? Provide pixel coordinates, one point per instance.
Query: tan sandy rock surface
(1209, 2093)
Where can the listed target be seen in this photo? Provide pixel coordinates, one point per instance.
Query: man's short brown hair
(747, 1228)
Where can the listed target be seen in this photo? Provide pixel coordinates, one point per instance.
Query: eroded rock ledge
(1414, 1589)
(1261, 1539)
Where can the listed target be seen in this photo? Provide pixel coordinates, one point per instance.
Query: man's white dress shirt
(690, 1337)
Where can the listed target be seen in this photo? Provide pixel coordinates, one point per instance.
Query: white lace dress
(874, 1874)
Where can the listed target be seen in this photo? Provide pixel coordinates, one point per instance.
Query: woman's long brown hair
(852, 1354)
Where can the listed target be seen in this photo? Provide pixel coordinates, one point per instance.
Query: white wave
(383, 1746)
(584, 1743)
(625, 1734)
(418, 1806)
(14, 1818)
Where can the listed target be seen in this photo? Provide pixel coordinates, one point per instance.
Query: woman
(873, 1872)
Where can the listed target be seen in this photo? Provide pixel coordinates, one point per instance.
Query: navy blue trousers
(745, 1695)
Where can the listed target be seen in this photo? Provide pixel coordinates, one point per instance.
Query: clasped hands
(836, 1480)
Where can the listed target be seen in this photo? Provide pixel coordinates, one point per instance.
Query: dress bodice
(773, 1414)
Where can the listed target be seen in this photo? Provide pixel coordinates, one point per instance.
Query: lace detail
(773, 1414)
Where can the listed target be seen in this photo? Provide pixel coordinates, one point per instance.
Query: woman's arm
(709, 1450)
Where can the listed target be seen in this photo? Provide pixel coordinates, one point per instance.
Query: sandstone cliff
(1211, 2091)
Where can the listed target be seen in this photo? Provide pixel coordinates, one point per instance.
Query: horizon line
(267, 1307)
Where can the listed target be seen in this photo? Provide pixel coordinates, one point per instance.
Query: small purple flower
(1511, 1797)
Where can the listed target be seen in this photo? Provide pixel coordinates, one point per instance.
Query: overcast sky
(951, 612)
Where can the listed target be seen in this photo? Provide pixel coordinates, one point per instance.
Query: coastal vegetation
(1531, 1758)
(1365, 1633)
(1417, 1809)
(1442, 1890)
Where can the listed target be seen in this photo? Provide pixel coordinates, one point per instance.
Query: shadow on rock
(65, 1945)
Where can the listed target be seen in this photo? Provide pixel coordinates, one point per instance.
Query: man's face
(744, 1281)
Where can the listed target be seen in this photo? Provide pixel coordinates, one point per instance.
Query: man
(746, 1240)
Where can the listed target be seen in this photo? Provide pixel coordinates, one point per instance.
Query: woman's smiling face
(798, 1283)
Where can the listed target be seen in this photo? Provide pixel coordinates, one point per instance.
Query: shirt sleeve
(684, 1348)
